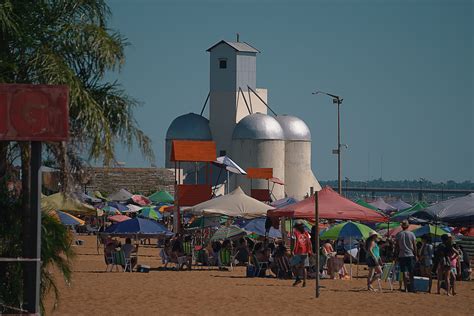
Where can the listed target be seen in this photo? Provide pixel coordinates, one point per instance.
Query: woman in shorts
(373, 260)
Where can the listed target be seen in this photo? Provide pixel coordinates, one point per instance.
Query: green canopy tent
(365, 204)
(161, 196)
(402, 215)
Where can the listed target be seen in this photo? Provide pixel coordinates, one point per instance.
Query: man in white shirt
(128, 249)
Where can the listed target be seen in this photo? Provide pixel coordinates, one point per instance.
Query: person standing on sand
(426, 259)
(373, 260)
(301, 252)
(406, 249)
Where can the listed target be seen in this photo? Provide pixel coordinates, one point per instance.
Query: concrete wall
(253, 102)
(246, 71)
(223, 79)
(298, 174)
(136, 180)
(259, 154)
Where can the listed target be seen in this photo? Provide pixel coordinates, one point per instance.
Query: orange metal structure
(191, 194)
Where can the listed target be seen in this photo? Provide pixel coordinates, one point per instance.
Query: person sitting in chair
(128, 249)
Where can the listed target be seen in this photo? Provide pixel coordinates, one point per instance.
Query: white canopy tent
(234, 204)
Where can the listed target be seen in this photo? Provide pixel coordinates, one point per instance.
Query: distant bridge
(419, 191)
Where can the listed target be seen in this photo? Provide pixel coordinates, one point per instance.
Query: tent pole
(316, 218)
(228, 184)
(350, 256)
(358, 260)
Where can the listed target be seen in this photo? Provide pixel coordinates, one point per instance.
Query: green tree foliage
(68, 42)
(61, 42)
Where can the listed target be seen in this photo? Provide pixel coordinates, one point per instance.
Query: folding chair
(259, 265)
(388, 273)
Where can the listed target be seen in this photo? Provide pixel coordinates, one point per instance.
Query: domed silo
(189, 126)
(298, 174)
(258, 142)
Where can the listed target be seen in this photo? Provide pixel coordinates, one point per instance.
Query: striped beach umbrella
(347, 230)
(150, 212)
(66, 218)
(228, 232)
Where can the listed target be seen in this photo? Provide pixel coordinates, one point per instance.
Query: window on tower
(222, 63)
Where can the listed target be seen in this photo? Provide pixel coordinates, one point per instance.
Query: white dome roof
(294, 128)
(258, 126)
(190, 126)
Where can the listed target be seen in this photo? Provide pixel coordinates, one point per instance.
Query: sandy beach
(212, 292)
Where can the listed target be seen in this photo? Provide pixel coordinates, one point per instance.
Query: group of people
(447, 261)
(113, 249)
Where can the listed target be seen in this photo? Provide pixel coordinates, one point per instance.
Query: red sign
(34, 112)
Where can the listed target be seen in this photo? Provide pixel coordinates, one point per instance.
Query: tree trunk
(3, 160)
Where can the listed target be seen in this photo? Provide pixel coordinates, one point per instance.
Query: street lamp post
(336, 100)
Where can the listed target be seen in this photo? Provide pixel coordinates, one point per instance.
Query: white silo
(189, 126)
(299, 176)
(258, 142)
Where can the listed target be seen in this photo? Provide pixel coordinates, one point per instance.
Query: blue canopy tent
(457, 212)
(257, 226)
(400, 205)
(283, 202)
(138, 227)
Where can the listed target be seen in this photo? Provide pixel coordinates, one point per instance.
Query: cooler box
(421, 284)
(251, 271)
(143, 268)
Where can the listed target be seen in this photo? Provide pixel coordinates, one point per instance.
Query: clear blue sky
(404, 68)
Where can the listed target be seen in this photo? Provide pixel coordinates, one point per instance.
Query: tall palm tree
(68, 42)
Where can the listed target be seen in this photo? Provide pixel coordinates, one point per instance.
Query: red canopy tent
(331, 206)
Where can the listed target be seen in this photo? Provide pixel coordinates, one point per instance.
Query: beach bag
(251, 271)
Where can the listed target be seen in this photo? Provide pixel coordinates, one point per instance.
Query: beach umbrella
(81, 196)
(347, 230)
(138, 227)
(257, 226)
(161, 197)
(67, 219)
(224, 162)
(63, 202)
(150, 212)
(110, 210)
(395, 230)
(132, 208)
(162, 208)
(400, 204)
(118, 218)
(119, 206)
(140, 200)
(99, 195)
(121, 195)
(390, 225)
(432, 230)
(207, 221)
(228, 232)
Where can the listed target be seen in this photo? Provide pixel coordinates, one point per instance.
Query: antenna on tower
(238, 37)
